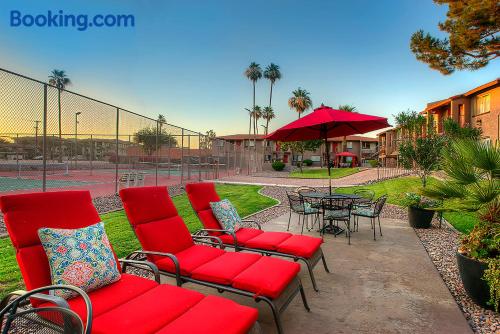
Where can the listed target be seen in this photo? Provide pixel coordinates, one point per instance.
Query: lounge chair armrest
(253, 222)
(231, 233)
(56, 300)
(169, 255)
(202, 238)
(152, 267)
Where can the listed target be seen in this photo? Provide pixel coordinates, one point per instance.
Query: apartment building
(478, 107)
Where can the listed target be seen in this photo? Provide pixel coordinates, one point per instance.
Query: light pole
(76, 137)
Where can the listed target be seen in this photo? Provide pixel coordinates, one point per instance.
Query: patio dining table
(317, 195)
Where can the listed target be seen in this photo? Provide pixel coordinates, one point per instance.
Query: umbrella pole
(328, 164)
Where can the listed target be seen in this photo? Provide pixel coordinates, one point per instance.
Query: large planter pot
(471, 272)
(420, 218)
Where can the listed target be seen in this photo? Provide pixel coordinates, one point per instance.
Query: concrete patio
(384, 286)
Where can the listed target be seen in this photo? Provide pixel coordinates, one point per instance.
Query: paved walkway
(384, 286)
(350, 180)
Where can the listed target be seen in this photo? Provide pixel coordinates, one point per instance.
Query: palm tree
(300, 101)
(349, 108)
(268, 115)
(60, 80)
(257, 114)
(161, 120)
(272, 73)
(253, 73)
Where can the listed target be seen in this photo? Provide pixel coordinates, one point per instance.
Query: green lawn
(322, 173)
(245, 199)
(396, 190)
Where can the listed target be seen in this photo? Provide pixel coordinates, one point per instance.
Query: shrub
(278, 166)
(373, 163)
(413, 200)
(308, 162)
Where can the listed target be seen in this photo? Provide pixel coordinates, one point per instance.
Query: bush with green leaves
(278, 166)
(473, 185)
(308, 162)
(373, 163)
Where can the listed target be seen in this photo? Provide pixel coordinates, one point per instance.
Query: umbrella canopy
(325, 122)
(345, 154)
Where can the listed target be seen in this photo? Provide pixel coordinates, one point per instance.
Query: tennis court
(13, 184)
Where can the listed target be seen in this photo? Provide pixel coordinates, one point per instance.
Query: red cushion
(147, 204)
(148, 312)
(214, 315)
(190, 259)
(208, 220)
(168, 235)
(201, 194)
(242, 235)
(267, 277)
(223, 269)
(25, 214)
(300, 245)
(111, 296)
(267, 240)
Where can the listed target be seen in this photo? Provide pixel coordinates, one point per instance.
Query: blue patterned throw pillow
(80, 257)
(226, 214)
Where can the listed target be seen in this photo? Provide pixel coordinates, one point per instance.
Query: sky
(185, 59)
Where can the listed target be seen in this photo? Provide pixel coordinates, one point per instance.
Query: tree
(253, 73)
(268, 115)
(60, 80)
(147, 138)
(300, 147)
(473, 27)
(161, 121)
(207, 140)
(423, 154)
(272, 73)
(300, 101)
(348, 108)
(454, 131)
(257, 114)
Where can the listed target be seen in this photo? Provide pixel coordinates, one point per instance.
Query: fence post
(91, 153)
(156, 150)
(182, 155)
(117, 153)
(44, 148)
(199, 157)
(189, 156)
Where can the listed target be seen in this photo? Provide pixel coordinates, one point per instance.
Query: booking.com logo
(60, 20)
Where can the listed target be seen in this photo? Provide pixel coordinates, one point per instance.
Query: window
(315, 158)
(349, 145)
(365, 145)
(481, 104)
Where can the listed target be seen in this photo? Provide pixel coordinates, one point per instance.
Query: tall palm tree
(253, 73)
(59, 79)
(272, 73)
(268, 115)
(300, 101)
(349, 108)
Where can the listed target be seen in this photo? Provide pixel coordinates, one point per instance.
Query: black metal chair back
(303, 190)
(341, 206)
(17, 316)
(296, 203)
(379, 205)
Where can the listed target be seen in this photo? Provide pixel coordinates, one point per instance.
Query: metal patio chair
(337, 210)
(17, 316)
(300, 206)
(372, 211)
(365, 200)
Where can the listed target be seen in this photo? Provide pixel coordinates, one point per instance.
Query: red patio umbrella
(325, 122)
(346, 154)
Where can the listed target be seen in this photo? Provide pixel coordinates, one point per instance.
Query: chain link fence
(54, 139)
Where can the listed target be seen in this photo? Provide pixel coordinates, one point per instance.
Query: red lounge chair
(131, 305)
(297, 247)
(167, 242)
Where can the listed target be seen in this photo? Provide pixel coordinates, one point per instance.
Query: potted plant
(419, 213)
(473, 184)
